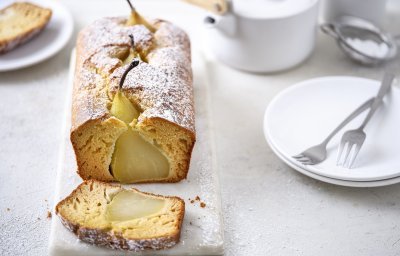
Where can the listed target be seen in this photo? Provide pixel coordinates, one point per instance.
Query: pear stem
(133, 64)
(131, 6)
(132, 41)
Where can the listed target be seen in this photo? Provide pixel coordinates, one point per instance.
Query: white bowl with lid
(263, 35)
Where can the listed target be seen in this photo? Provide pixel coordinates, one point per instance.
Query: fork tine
(354, 155)
(298, 156)
(347, 153)
(306, 162)
(339, 155)
(304, 158)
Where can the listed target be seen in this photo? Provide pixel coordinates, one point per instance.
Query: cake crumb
(8, 209)
(190, 223)
(38, 218)
(197, 198)
(49, 215)
(191, 201)
(202, 205)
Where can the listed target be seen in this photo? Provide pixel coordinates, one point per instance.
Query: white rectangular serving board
(202, 232)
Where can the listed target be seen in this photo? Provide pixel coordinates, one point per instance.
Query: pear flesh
(123, 109)
(134, 159)
(129, 205)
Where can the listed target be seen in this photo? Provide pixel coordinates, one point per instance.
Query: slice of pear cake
(109, 215)
(20, 22)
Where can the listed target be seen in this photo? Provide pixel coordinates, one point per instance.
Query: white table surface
(268, 208)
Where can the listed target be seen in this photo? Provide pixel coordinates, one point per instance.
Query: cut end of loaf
(86, 212)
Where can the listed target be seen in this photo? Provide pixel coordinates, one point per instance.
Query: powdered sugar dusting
(112, 31)
(160, 92)
(162, 87)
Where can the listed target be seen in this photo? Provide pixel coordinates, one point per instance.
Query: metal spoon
(361, 40)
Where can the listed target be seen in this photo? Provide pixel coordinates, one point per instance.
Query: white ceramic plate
(45, 45)
(360, 184)
(304, 115)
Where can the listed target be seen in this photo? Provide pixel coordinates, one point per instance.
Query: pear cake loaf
(144, 130)
(110, 216)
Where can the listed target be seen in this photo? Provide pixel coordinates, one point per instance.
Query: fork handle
(385, 86)
(353, 115)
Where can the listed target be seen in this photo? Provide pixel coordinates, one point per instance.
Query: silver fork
(355, 138)
(318, 153)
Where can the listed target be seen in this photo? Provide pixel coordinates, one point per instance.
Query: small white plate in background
(304, 114)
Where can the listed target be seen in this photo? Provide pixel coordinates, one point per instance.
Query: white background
(268, 208)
